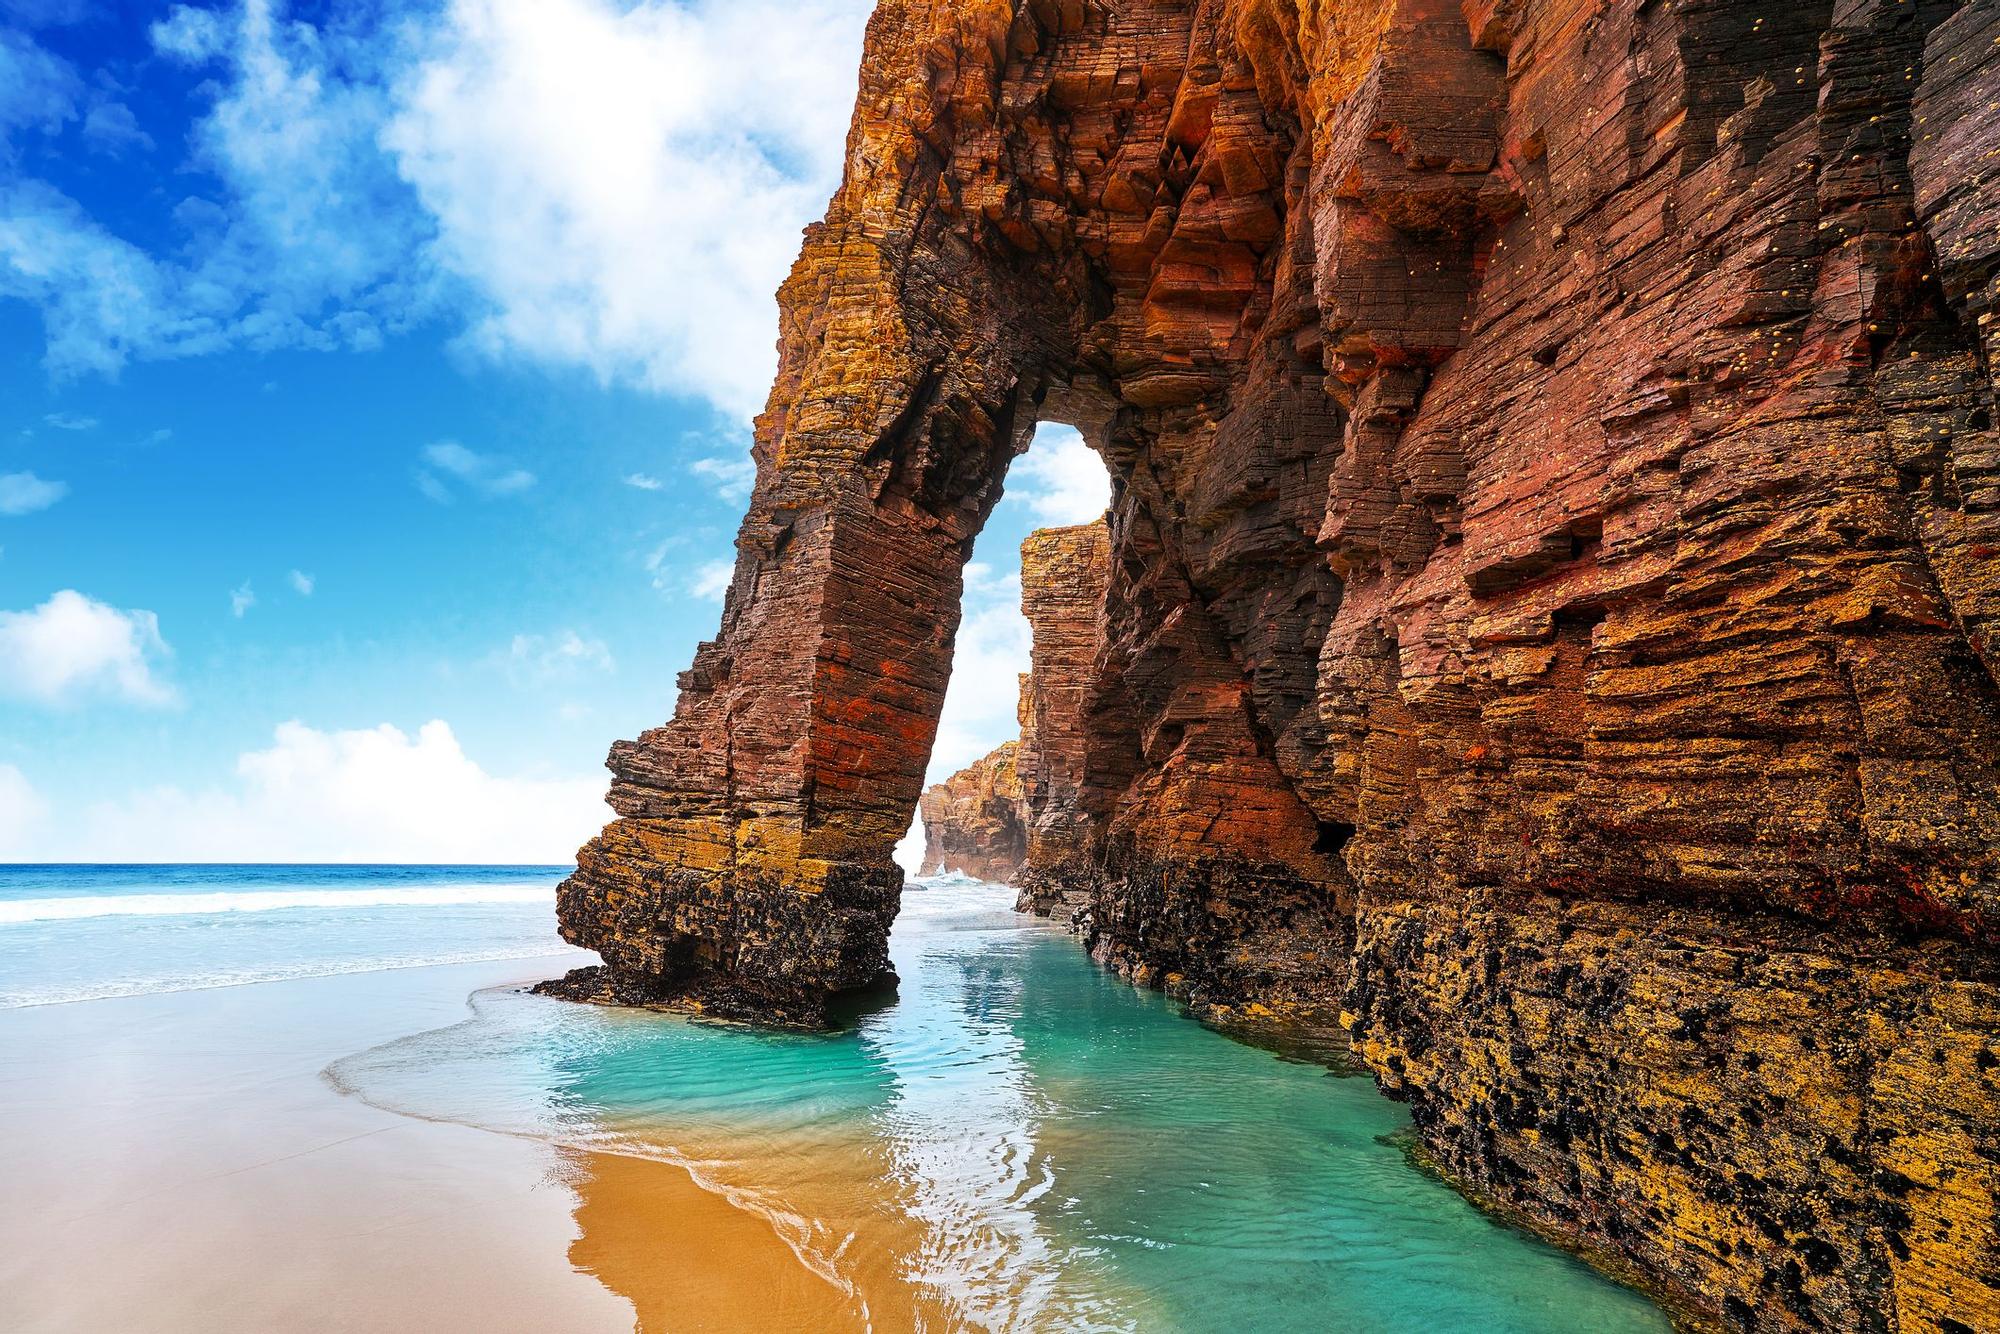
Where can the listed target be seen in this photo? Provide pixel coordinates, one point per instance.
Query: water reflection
(962, 1128)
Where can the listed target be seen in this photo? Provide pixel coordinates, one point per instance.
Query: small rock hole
(1333, 836)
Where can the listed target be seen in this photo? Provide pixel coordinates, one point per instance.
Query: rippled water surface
(1019, 1141)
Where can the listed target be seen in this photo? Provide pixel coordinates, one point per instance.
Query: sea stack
(1547, 604)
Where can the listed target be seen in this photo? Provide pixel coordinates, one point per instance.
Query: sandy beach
(1019, 1141)
(177, 1162)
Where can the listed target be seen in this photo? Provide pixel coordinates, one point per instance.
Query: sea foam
(77, 907)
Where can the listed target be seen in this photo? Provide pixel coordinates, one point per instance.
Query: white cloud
(481, 474)
(733, 477)
(301, 234)
(994, 648)
(72, 646)
(643, 481)
(71, 421)
(111, 127)
(302, 583)
(22, 809)
(24, 493)
(1065, 480)
(656, 163)
(190, 33)
(605, 184)
(539, 659)
(370, 795)
(241, 599)
(1060, 480)
(711, 579)
(37, 88)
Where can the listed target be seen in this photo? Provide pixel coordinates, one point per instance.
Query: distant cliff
(973, 821)
(1548, 595)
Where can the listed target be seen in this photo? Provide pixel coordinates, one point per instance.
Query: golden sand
(176, 1162)
(689, 1259)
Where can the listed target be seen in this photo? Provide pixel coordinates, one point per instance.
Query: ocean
(1015, 1141)
(76, 932)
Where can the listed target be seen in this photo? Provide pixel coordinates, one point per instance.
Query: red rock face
(1548, 600)
(1064, 573)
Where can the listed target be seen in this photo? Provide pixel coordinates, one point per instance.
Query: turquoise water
(77, 933)
(1031, 1141)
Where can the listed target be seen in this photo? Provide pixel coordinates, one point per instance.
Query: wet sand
(177, 1162)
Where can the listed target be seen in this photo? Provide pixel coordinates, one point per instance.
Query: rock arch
(1551, 573)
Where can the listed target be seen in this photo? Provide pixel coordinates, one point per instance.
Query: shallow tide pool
(1018, 1141)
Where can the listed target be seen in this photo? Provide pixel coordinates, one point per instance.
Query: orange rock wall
(1548, 587)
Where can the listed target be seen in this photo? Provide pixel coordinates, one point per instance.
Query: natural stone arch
(934, 317)
(1550, 584)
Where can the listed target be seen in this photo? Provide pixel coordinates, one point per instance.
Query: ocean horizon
(76, 931)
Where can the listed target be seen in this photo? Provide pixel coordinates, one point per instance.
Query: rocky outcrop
(1064, 574)
(973, 821)
(1548, 591)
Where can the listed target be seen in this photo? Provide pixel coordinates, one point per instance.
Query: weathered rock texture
(1064, 572)
(1553, 555)
(974, 821)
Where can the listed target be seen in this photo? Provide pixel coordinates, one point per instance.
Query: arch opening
(983, 760)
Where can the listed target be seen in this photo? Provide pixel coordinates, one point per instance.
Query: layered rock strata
(1549, 581)
(974, 821)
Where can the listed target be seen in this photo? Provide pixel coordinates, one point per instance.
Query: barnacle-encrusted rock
(1549, 588)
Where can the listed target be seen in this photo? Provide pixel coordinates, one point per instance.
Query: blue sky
(374, 412)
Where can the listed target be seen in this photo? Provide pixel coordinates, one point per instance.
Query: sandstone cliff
(1025, 800)
(973, 821)
(1548, 596)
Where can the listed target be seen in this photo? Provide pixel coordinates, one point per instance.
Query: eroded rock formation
(974, 822)
(1551, 570)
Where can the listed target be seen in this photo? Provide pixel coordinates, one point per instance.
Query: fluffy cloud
(731, 477)
(191, 34)
(73, 647)
(643, 481)
(70, 421)
(1061, 477)
(24, 493)
(302, 583)
(37, 89)
(711, 579)
(241, 600)
(584, 183)
(22, 809)
(449, 468)
(371, 795)
(994, 643)
(657, 162)
(112, 128)
(1060, 480)
(302, 232)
